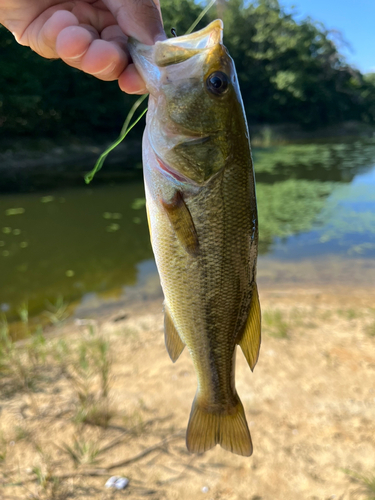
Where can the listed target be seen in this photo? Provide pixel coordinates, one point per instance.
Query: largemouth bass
(202, 214)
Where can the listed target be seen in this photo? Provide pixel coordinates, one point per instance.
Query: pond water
(90, 244)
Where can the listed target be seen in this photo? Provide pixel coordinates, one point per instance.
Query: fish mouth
(151, 59)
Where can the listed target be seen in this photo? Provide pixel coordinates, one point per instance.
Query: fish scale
(201, 206)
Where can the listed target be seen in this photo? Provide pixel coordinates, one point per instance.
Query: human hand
(90, 35)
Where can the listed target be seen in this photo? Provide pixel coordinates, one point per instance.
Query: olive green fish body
(202, 214)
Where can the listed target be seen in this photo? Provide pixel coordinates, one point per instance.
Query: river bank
(38, 164)
(114, 404)
(44, 164)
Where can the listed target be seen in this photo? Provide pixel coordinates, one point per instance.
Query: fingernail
(77, 57)
(107, 70)
(139, 91)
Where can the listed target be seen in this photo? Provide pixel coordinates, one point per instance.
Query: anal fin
(182, 223)
(251, 336)
(173, 343)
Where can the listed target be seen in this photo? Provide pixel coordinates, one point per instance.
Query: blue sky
(355, 19)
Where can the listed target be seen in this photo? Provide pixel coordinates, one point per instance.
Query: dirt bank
(310, 405)
(37, 165)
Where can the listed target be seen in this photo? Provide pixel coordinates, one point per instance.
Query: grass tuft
(82, 452)
(370, 329)
(58, 312)
(89, 372)
(349, 314)
(49, 487)
(365, 481)
(21, 365)
(21, 433)
(3, 448)
(275, 324)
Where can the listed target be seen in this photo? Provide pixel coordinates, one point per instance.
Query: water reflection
(314, 162)
(315, 199)
(343, 224)
(69, 244)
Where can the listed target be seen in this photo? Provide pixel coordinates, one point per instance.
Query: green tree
(289, 71)
(180, 14)
(40, 97)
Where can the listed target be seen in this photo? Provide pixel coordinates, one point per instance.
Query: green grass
(87, 364)
(302, 318)
(58, 312)
(370, 329)
(21, 365)
(89, 371)
(48, 486)
(366, 483)
(349, 313)
(275, 324)
(3, 448)
(21, 432)
(82, 452)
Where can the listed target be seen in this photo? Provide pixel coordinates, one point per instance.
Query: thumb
(140, 19)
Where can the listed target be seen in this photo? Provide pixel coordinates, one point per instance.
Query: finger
(114, 34)
(41, 34)
(140, 19)
(93, 16)
(46, 40)
(131, 82)
(105, 60)
(73, 42)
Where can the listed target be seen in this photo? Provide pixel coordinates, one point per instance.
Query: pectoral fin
(250, 339)
(182, 223)
(173, 343)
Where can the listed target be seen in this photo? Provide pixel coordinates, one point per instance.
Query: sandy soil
(310, 405)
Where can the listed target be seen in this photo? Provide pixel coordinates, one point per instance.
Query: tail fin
(230, 431)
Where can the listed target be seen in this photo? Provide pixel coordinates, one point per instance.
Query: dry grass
(94, 402)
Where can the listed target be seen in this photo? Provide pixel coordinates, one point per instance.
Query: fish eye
(217, 83)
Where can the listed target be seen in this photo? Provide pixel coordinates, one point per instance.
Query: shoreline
(52, 162)
(49, 164)
(345, 279)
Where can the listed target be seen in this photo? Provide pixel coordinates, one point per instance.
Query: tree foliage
(42, 98)
(292, 71)
(289, 71)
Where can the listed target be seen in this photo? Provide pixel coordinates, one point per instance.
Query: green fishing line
(126, 128)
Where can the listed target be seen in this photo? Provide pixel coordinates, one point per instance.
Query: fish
(202, 216)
